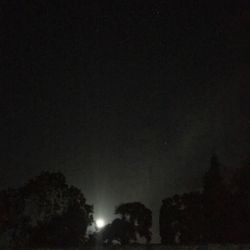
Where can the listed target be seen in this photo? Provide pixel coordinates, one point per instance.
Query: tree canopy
(217, 214)
(46, 211)
(135, 222)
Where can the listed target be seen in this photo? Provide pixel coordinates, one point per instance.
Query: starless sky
(127, 98)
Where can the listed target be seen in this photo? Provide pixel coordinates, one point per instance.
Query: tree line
(220, 213)
(47, 212)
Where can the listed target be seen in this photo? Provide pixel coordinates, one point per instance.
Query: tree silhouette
(181, 219)
(14, 224)
(46, 212)
(192, 219)
(212, 181)
(239, 209)
(205, 217)
(215, 198)
(139, 217)
(170, 220)
(119, 230)
(135, 221)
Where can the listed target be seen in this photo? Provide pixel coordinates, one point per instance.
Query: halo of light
(100, 223)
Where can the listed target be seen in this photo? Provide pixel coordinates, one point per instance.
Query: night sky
(128, 99)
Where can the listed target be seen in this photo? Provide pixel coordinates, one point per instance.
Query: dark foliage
(138, 216)
(180, 218)
(239, 209)
(45, 212)
(120, 230)
(219, 214)
(136, 220)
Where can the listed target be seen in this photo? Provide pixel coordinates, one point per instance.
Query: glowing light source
(100, 223)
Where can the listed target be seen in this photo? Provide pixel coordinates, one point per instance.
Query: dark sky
(127, 98)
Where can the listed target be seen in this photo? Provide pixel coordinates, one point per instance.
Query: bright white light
(100, 223)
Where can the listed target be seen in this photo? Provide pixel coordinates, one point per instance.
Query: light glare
(100, 223)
